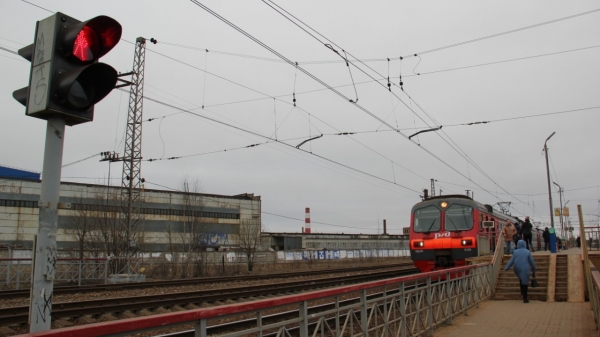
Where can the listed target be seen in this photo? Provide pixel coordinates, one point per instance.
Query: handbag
(534, 282)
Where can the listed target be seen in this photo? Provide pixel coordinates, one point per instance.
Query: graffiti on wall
(211, 239)
(339, 254)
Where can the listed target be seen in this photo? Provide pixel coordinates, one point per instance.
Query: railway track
(167, 301)
(60, 290)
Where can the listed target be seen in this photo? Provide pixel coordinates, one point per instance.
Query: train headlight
(444, 204)
(466, 242)
(418, 244)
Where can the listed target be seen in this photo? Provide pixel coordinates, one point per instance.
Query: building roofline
(245, 196)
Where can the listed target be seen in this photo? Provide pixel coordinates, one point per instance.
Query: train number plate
(418, 251)
(467, 249)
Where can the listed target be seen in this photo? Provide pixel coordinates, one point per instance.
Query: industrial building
(168, 220)
(326, 241)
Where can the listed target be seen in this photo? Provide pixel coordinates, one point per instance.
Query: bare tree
(192, 228)
(94, 225)
(80, 225)
(249, 239)
(184, 233)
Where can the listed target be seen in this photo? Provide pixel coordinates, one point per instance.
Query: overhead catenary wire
(503, 33)
(330, 88)
(309, 114)
(81, 160)
(280, 10)
(279, 142)
(263, 212)
(374, 80)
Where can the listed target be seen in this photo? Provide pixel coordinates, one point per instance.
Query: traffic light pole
(42, 285)
(65, 82)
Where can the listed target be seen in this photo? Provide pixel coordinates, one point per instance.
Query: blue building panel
(7, 172)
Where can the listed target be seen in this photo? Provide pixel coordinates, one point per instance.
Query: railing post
(429, 306)
(200, 328)
(259, 324)
(476, 277)
(8, 263)
(449, 295)
(464, 290)
(363, 313)
(385, 313)
(337, 316)
(403, 310)
(18, 273)
(303, 312)
(106, 270)
(79, 272)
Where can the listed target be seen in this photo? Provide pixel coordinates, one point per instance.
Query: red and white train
(444, 231)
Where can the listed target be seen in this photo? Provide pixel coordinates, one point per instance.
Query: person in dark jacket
(526, 231)
(523, 266)
(517, 236)
(546, 236)
(578, 242)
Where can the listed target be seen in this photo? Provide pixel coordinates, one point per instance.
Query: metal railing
(16, 273)
(594, 295)
(496, 263)
(405, 306)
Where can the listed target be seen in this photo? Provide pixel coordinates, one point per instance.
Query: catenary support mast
(132, 159)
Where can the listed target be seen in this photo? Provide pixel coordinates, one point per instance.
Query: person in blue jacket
(523, 265)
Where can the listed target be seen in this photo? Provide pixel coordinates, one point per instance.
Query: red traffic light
(88, 41)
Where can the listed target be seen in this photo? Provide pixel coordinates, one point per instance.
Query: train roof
(476, 204)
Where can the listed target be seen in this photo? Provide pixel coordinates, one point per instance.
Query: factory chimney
(307, 221)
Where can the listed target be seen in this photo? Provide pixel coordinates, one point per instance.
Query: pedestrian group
(521, 260)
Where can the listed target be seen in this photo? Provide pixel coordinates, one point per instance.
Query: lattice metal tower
(132, 158)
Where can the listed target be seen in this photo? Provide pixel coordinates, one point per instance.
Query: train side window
(459, 218)
(427, 219)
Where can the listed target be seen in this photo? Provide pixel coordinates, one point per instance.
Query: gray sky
(550, 71)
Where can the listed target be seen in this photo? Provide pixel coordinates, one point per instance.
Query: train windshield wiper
(429, 229)
(456, 229)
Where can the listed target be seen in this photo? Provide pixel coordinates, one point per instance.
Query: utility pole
(132, 158)
(562, 227)
(433, 187)
(552, 230)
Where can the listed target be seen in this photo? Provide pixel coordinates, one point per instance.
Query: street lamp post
(552, 233)
(562, 226)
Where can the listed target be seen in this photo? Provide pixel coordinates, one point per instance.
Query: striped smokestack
(307, 221)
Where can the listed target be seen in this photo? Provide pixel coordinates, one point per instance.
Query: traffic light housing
(66, 78)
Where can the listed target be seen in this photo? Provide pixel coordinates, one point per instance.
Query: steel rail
(20, 293)
(65, 310)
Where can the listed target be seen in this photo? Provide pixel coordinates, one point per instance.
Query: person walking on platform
(508, 232)
(523, 266)
(546, 236)
(517, 237)
(527, 230)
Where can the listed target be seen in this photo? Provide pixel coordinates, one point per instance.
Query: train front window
(459, 218)
(427, 219)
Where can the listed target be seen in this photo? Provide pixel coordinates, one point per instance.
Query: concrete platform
(518, 319)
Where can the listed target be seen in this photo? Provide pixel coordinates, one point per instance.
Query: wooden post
(586, 266)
